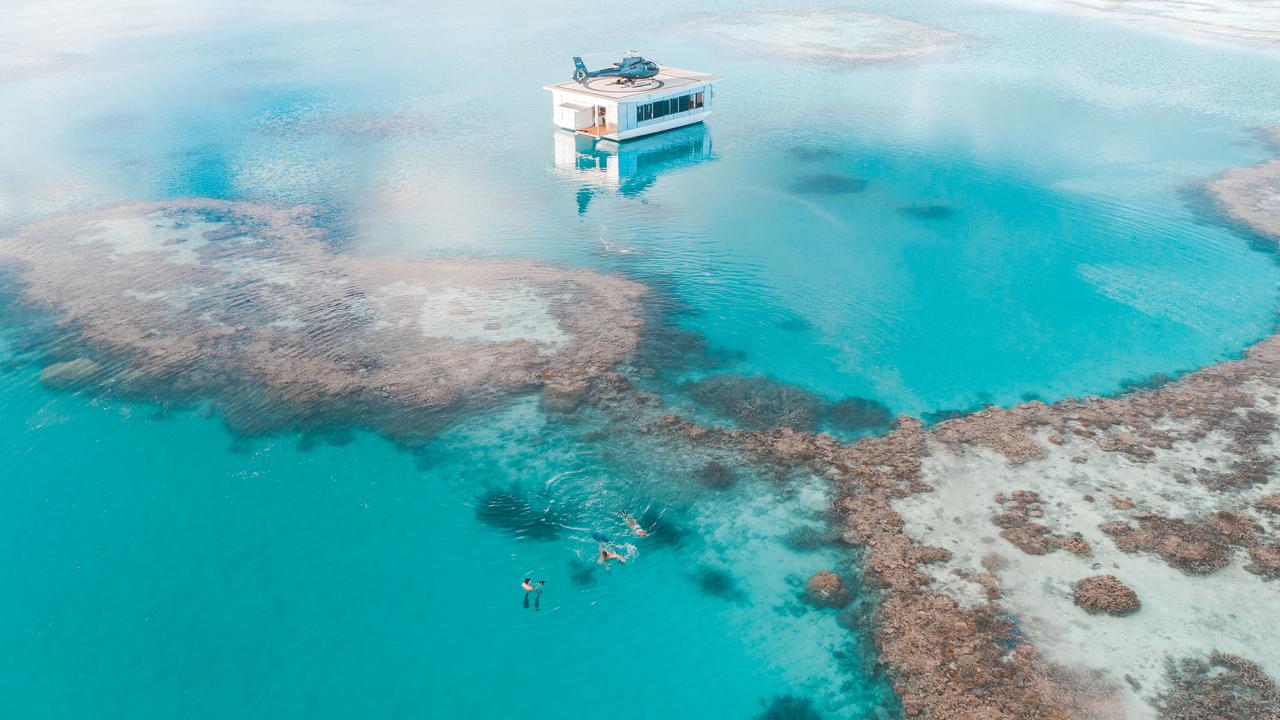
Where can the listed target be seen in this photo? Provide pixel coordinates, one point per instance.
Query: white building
(602, 107)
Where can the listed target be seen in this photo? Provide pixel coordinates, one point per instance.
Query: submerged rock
(926, 212)
(789, 707)
(825, 589)
(1106, 594)
(827, 184)
(715, 475)
(717, 582)
(813, 153)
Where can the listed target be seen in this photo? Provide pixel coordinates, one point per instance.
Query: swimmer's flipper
(599, 537)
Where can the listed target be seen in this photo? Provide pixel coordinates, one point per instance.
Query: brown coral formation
(1269, 504)
(825, 589)
(247, 304)
(1015, 517)
(945, 660)
(940, 655)
(1251, 195)
(1198, 547)
(1221, 688)
(1105, 594)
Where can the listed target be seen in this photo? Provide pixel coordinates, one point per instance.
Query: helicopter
(630, 69)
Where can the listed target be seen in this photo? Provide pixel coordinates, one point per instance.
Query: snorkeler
(634, 524)
(607, 554)
(528, 587)
(537, 595)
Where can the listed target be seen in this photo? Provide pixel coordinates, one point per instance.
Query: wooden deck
(599, 131)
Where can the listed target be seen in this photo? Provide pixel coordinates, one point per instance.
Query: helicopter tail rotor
(580, 70)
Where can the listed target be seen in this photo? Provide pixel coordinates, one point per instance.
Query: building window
(670, 106)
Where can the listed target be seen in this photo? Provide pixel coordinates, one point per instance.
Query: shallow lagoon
(905, 231)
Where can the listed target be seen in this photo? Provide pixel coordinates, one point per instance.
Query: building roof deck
(668, 80)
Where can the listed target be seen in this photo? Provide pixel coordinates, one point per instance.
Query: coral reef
(951, 655)
(1031, 537)
(247, 305)
(715, 474)
(1251, 195)
(836, 36)
(807, 538)
(949, 659)
(1105, 594)
(789, 707)
(663, 526)
(858, 414)
(1196, 547)
(1269, 504)
(1220, 688)
(69, 374)
(825, 589)
(757, 402)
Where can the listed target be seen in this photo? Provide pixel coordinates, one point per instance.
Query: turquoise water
(1013, 217)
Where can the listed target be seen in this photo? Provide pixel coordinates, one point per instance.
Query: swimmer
(607, 554)
(634, 524)
(537, 594)
(528, 587)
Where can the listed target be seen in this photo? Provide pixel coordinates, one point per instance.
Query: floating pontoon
(612, 108)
